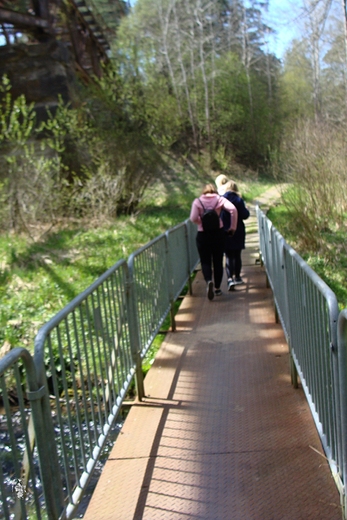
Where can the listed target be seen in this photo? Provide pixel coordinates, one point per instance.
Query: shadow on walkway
(221, 434)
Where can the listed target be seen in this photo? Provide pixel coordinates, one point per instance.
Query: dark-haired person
(234, 244)
(211, 244)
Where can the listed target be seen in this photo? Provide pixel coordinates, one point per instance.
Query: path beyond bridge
(221, 433)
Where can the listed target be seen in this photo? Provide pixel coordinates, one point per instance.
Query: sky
(284, 17)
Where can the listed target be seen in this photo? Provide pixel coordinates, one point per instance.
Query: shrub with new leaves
(315, 161)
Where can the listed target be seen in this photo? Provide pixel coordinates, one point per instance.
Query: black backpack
(210, 218)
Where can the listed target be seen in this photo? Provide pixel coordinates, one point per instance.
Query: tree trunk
(199, 21)
(164, 24)
(184, 77)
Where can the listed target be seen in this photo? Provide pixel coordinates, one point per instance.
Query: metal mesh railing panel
(192, 248)
(313, 313)
(150, 278)
(178, 257)
(88, 358)
(21, 486)
(308, 309)
(84, 362)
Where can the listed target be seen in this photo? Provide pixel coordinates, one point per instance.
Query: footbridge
(241, 416)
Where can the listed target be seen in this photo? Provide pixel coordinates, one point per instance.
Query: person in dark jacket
(234, 244)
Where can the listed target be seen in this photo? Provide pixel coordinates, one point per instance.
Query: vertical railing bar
(103, 361)
(6, 510)
(189, 259)
(117, 306)
(103, 417)
(110, 357)
(138, 282)
(321, 370)
(326, 370)
(134, 326)
(171, 281)
(7, 407)
(93, 433)
(75, 391)
(113, 339)
(147, 315)
(123, 303)
(59, 416)
(315, 353)
(68, 409)
(137, 295)
(325, 365)
(124, 364)
(117, 310)
(306, 346)
(81, 374)
(73, 403)
(103, 357)
(122, 299)
(89, 311)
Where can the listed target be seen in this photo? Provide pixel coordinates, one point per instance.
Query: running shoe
(231, 284)
(210, 291)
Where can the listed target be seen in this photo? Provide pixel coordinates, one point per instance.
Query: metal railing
(308, 311)
(69, 394)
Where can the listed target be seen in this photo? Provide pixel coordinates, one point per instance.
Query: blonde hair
(220, 180)
(209, 188)
(231, 186)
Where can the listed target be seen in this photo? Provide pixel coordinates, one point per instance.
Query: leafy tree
(296, 84)
(182, 47)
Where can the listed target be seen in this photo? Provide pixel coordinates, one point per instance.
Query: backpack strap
(203, 207)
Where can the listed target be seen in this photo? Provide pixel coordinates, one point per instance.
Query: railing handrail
(100, 331)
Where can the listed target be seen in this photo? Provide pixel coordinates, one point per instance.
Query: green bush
(314, 161)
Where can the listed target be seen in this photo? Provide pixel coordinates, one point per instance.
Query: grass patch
(329, 261)
(38, 279)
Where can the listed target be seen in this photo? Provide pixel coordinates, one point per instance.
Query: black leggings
(233, 262)
(211, 251)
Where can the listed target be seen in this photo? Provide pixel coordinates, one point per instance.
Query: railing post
(190, 285)
(342, 362)
(170, 276)
(44, 436)
(134, 333)
(293, 371)
(47, 450)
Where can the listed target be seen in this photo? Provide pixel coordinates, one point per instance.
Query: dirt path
(269, 197)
